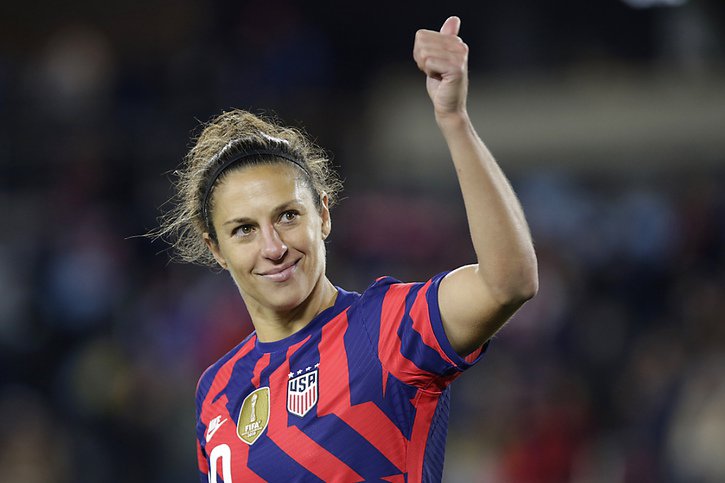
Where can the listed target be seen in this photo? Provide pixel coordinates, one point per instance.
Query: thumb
(451, 26)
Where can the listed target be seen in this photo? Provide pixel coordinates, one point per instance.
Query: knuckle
(459, 48)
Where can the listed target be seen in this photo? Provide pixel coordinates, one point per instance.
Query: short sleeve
(202, 387)
(202, 463)
(404, 324)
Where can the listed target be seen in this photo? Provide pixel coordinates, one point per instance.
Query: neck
(272, 325)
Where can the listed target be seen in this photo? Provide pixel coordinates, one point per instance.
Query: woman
(334, 385)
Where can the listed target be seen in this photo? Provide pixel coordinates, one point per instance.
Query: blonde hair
(222, 138)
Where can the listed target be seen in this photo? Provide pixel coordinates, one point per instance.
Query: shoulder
(387, 292)
(372, 295)
(382, 286)
(208, 376)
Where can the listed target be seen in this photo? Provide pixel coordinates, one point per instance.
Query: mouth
(282, 273)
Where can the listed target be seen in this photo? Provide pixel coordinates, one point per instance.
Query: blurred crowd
(615, 372)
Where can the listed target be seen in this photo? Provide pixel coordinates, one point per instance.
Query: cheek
(241, 259)
(320, 247)
(309, 241)
(304, 236)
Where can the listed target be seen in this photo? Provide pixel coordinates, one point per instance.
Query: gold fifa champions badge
(254, 415)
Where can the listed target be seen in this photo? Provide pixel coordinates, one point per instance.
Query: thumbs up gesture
(443, 57)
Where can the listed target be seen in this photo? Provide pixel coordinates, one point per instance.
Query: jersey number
(224, 453)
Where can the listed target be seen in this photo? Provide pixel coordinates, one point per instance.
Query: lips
(282, 273)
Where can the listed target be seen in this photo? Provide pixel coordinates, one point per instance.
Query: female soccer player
(335, 385)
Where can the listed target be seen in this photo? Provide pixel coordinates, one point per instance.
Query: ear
(325, 214)
(214, 249)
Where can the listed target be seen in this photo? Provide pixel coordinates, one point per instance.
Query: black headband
(245, 153)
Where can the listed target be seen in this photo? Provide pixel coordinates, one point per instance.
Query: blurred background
(607, 115)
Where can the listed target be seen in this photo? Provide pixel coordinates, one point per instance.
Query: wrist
(452, 120)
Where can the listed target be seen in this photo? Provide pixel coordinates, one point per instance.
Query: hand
(443, 57)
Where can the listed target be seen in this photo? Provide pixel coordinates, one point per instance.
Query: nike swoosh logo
(214, 425)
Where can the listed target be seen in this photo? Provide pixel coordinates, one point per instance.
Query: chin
(287, 298)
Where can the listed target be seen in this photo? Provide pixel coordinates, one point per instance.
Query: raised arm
(476, 300)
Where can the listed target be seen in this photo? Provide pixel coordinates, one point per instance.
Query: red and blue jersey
(359, 394)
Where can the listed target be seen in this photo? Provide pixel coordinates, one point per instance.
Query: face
(270, 235)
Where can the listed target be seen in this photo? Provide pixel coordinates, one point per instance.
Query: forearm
(501, 239)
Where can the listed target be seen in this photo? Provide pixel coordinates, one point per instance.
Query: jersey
(359, 394)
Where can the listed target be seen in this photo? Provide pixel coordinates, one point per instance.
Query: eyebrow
(277, 209)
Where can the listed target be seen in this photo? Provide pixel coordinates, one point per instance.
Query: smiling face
(270, 236)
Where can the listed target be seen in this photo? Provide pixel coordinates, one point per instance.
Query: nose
(273, 247)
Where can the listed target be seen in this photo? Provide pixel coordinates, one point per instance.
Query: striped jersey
(359, 394)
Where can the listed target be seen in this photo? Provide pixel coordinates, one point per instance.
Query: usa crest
(302, 393)
(253, 416)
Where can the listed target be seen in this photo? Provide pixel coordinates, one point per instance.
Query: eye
(288, 216)
(243, 230)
